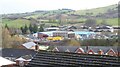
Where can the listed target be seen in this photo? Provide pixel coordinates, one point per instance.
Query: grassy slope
(113, 21)
(21, 22)
(15, 23)
(43, 14)
(95, 11)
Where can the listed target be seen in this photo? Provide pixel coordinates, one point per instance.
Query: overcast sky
(21, 6)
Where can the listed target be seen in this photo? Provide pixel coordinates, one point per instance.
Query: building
(68, 59)
(100, 50)
(52, 29)
(30, 45)
(22, 61)
(85, 34)
(105, 29)
(6, 63)
(80, 50)
(65, 34)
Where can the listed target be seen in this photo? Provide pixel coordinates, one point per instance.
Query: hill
(96, 11)
(17, 23)
(109, 14)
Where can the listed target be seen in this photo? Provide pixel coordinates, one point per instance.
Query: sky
(22, 6)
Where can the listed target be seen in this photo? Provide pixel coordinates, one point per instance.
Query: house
(67, 50)
(100, 50)
(104, 49)
(55, 49)
(90, 52)
(71, 28)
(66, 59)
(111, 52)
(21, 61)
(79, 50)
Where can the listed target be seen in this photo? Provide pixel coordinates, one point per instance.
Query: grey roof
(70, 48)
(10, 52)
(64, 59)
(104, 48)
(29, 44)
(94, 48)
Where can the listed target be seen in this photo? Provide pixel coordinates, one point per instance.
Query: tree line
(32, 29)
(26, 29)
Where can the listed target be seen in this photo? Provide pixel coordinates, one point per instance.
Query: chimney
(87, 48)
(36, 47)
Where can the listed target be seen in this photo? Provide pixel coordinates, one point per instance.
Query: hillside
(17, 23)
(96, 11)
(109, 14)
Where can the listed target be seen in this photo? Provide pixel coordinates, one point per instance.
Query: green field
(15, 23)
(21, 22)
(113, 21)
(70, 19)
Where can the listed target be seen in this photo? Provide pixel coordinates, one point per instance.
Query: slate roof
(64, 48)
(94, 48)
(65, 59)
(9, 52)
(104, 48)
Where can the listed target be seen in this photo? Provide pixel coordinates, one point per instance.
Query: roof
(79, 49)
(10, 52)
(84, 32)
(22, 59)
(5, 61)
(94, 48)
(49, 33)
(52, 28)
(29, 45)
(64, 48)
(65, 59)
(104, 48)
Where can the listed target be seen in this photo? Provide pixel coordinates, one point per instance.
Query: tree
(35, 28)
(31, 28)
(104, 22)
(6, 26)
(9, 41)
(41, 29)
(25, 28)
(6, 38)
(90, 22)
(22, 29)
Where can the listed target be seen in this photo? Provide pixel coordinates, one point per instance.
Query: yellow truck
(54, 38)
